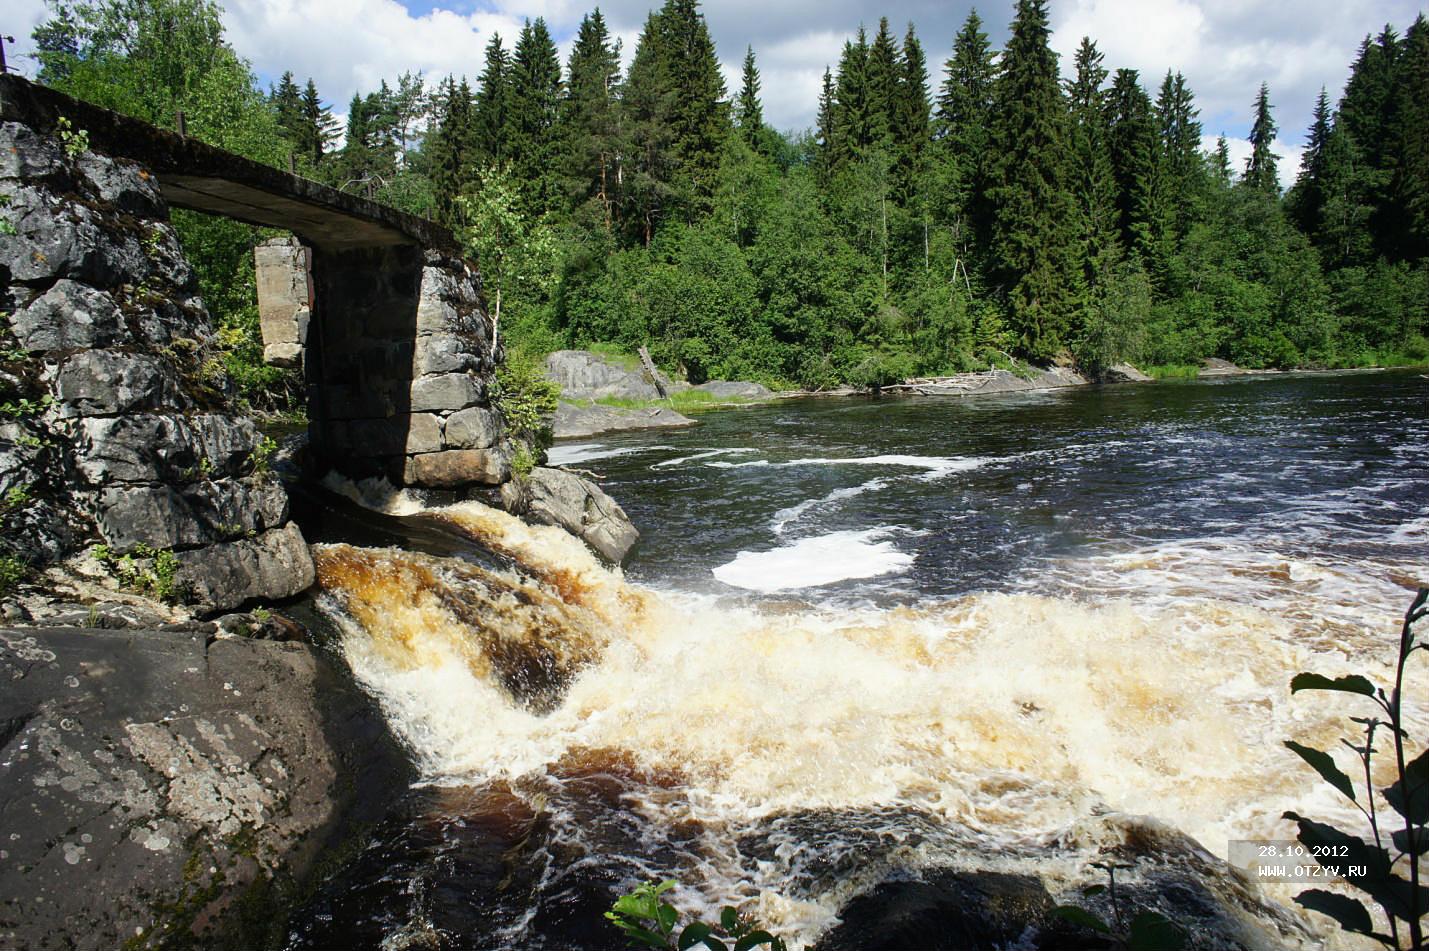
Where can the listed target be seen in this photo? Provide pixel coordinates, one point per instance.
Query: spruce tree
(319, 127)
(1136, 162)
(1260, 171)
(536, 91)
(493, 106)
(448, 153)
(1305, 201)
(647, 139)
(961, 129)
(749, 115)
(1185, 169)
(853, 124)
(912, 118)
(882, 79)
(288, 103)
(1411, 183)
(1033, 239)
(1093, 183)
(695, 107)
(592, 125)
(824, 129)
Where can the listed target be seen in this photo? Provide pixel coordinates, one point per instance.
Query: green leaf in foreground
(1080, 916)
(1324, 764)
(1350, 683)
(1154, 932)
(1351, 915)
(1410, 796)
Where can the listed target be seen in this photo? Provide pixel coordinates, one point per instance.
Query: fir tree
(648, 140)
(1260, 166)
(1032, 236)
(749, 115)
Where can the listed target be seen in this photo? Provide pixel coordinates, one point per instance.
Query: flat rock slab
(573, 421)
(166, 789)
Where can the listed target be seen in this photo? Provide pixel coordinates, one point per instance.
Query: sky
(1225, 48)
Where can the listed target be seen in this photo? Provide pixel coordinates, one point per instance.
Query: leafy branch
(1372, 868)
(649, 922)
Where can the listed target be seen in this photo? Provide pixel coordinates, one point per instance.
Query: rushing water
(978, 643)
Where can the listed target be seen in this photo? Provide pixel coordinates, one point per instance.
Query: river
(863, 643)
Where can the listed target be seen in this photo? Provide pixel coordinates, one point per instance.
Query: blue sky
(1226, 48)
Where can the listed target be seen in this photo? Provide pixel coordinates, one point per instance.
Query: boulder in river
(1124, 373)
(572, 421)
(168, 789)
(557, 497)
(583, 375)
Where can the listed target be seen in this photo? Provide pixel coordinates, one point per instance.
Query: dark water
(1001, 583)
(1329, 466)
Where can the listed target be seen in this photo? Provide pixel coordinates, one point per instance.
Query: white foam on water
(784, 516)
(706, 454)
(813, 562)
(572, 453)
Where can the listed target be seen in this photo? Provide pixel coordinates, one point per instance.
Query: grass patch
(612, 353)
(681, 401)
(1173, 371)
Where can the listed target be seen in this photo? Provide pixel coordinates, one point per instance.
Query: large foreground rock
(164, 790)
(573, 421)
(557, 497)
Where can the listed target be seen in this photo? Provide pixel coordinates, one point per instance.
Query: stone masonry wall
(398, 362)
(118, 423)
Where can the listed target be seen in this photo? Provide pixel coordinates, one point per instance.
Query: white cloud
(1227, 48)
(21, 18)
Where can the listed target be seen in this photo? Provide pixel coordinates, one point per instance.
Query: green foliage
(12, 572)
(75, 141)
(1147, 931)
(1375, 868)
(524, 397)
(262, 454)
(649, 922)
(146, 569)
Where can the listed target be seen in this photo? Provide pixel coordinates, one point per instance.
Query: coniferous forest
(939, 217)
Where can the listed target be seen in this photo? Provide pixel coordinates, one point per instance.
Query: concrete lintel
(193, 174)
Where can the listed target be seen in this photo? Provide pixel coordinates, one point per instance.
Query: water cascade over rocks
(843, 774)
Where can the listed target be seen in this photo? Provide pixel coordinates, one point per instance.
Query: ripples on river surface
(871, 641)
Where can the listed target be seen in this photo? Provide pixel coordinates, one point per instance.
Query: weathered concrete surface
(557, 497)
(283, 272)
(165, 789)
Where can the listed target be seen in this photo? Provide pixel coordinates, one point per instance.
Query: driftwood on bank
(958, 383)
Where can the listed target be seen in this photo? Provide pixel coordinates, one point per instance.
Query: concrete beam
(193, 174)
